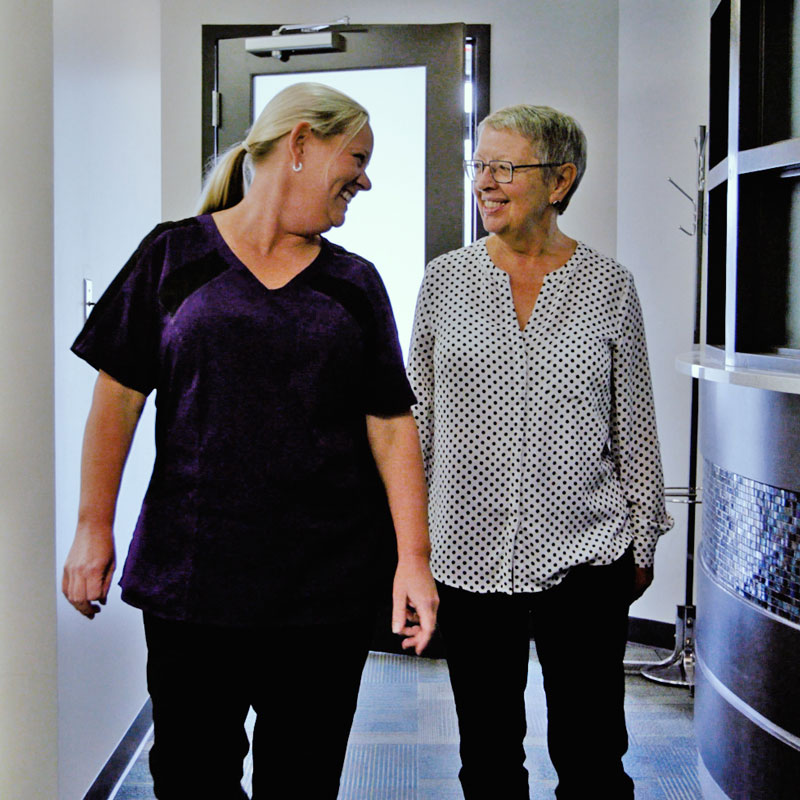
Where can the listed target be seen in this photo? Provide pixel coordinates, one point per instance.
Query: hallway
(404, 742)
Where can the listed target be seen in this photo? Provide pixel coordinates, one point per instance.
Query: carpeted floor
(404, 743)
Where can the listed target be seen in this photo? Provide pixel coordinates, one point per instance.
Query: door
(414, 80)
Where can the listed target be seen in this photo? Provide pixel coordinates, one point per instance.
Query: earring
(297, 167)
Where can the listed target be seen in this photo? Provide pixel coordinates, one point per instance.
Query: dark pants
(580, 630)
(302, 683)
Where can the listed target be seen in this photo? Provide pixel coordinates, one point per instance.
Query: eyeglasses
(502, 171)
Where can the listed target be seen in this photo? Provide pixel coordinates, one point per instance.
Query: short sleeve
(388, 390)
(122, 335)
(357, 286)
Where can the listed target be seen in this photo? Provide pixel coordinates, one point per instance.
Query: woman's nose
(364, 182)
(484, 177)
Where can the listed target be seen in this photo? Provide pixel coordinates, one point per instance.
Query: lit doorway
(425, 87)
(395, 98)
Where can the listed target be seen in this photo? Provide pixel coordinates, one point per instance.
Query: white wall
(27, 593)
(107, 195)
(663, 98)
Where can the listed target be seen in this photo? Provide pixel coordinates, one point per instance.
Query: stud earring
(297, 167)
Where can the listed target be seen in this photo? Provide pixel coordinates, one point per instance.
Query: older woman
(282, 428)
(535, 413)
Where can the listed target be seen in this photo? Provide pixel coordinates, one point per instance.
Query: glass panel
(717, 233)
(718, 111)
(767, 272)
(387, 224)
(769, 73)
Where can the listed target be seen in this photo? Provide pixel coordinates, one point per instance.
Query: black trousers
(580, 631)
(302, 683)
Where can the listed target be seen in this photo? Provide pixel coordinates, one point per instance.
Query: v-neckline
(227, 253)
(546, 281)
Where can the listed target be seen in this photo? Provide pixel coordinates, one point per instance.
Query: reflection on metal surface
(781, 734)
(690, 495)
(752, 432)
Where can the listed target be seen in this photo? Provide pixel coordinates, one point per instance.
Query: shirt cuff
(646, 535)
(644, 550)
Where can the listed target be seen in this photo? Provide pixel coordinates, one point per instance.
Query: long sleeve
(634, 439)
(421, 367)
(539, 444)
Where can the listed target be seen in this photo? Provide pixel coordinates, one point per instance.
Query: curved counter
(747, 719)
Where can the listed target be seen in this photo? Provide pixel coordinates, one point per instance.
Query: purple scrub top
(265, 506)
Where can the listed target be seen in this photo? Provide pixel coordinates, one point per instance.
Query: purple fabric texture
(265, 506)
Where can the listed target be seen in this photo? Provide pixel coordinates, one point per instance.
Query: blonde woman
(288, 483)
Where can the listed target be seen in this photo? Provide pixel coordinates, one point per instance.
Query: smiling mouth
(347, 195)
(492, 205)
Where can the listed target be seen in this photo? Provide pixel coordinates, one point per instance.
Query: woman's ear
(565, 177)
(298, 141)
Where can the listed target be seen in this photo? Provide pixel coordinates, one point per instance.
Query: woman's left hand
(415, 602)
(642, 578)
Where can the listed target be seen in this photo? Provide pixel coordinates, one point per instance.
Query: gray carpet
(404, 742)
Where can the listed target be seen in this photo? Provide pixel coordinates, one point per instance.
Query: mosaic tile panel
(751, 540)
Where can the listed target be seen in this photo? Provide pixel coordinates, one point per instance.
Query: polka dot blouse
(540, 444)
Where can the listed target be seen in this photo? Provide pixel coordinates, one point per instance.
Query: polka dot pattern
(540, 445)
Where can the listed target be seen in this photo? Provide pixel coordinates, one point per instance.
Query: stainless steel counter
(747, 714)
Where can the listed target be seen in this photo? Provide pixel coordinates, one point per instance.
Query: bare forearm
(89, 566)
(107, 439)
(395, 446)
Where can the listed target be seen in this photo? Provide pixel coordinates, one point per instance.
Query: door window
(425, 87)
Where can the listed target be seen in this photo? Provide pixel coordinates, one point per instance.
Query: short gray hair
(556, 137)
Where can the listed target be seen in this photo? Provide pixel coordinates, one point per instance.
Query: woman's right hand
(90, 564)
(89, 569)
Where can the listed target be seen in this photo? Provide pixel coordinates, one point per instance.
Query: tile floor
(404, 742)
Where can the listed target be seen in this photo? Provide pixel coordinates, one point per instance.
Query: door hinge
(88, 298)
(215, 109)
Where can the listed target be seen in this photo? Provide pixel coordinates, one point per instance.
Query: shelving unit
(753, 282)
(748, 371)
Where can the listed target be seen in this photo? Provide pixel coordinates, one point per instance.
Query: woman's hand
(395, 446)
(112, 421)
(415, 602)
(89, 569)
(642, 578)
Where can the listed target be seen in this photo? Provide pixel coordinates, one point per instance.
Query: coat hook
(694, 205)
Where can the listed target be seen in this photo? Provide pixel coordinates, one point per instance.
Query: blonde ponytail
(224, 183)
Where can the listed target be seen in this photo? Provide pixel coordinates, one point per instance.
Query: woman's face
(335, 171)
(510, 208)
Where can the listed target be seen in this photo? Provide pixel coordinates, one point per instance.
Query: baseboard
(120, 759)
(651, 632)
